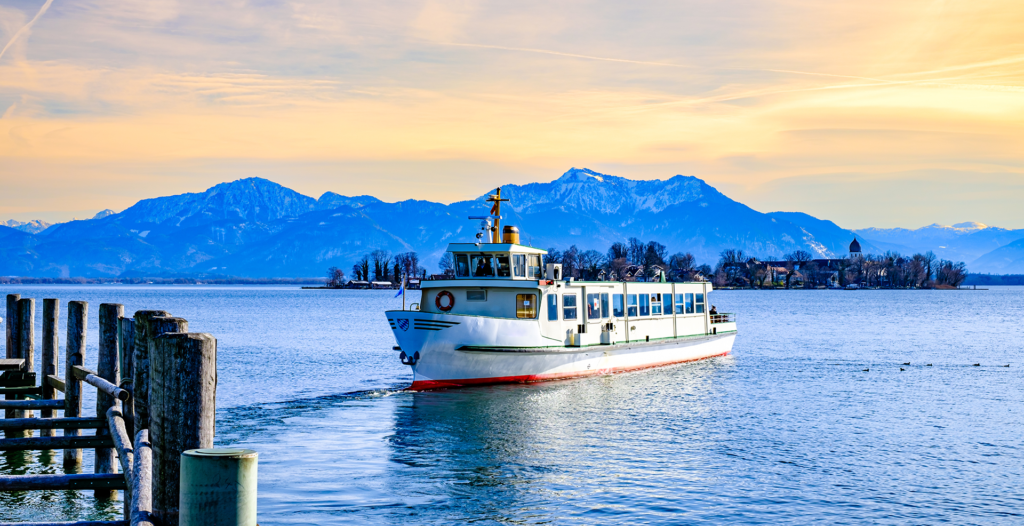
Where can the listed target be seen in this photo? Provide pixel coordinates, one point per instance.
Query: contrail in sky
(26, 27)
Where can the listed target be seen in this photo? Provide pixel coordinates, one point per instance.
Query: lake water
(811, 419)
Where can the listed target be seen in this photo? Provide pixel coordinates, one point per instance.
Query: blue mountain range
(257, 228)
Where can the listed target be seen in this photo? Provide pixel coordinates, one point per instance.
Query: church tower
(855, 248)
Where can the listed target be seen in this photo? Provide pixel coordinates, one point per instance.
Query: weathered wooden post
(125, 353)
(27, 343)
(218, 487)
(182, 402)
(107, 368)
(75, 355)
(140, 366)
(51, 343)
(11, 332)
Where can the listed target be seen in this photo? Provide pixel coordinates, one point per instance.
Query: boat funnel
(510, 234)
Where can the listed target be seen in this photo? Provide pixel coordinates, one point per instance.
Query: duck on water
(508, 316)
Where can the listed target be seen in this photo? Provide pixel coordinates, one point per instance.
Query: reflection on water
(788, 429)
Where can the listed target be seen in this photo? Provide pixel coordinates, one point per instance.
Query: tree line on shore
(379, 265)
(636, 260)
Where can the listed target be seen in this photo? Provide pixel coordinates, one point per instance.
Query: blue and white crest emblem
(403, 324)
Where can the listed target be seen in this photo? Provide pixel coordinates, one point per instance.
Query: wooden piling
(11, 327)
(26, 340)
(140, 366)
(126, 351)
(182, 402)
(75, 355)
(107, 369)
(51, 343)
(11, 333)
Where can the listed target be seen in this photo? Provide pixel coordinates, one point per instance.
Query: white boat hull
(455, 351)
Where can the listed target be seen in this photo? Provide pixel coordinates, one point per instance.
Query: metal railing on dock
(155, 399)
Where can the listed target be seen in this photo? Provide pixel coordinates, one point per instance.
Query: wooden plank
(11, 364)
(59, 482)
(76, 523)
(25, 405)
(122, 443)
(45, 443)
(51, 423)
(55, 382)
(22, 391)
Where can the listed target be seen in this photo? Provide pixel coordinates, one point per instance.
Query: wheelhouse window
(631, 304)
(604, 306)
(476, 295)
(594, 306)
(656, 304)
(519, 265)
(569, 307)
(645, 304)
(667, 299)
(504, 269)
(680, 298)
(526, 305)
(618, 309)
(462, 266)
(689, 303)
(533, 269)
(700, 302)
(552, 307)
(482, 265)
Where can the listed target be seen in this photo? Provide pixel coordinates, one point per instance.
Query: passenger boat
(508, 316)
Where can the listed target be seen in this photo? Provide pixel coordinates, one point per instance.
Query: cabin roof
(474, 248)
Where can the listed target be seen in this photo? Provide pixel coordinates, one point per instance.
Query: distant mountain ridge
(257, 228)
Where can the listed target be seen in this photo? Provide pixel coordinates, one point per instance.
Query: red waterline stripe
(425, 385)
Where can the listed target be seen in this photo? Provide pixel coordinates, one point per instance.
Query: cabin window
(618, 309)
(631, 304)
(552, 307)
(476, 295)
(604, 305)
(680, 299)
(593, 306)
(504, 270)
(519, 265)
(667, 299)
(645, 304)
(568, 306)
(656, 304)
(533, 269)
(482, 266)
(689, 303)
(526, 305)
(462, 266)
(700, 303)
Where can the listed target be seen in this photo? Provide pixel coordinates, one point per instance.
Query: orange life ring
(451, 300)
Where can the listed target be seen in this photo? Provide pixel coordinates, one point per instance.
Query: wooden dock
(156, 390)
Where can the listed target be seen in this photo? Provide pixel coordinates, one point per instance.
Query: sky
(871, 114)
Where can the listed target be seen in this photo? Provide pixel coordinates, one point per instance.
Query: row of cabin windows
(636, 305)
(497, 265)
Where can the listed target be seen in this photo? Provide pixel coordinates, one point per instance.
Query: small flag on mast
(401, 289)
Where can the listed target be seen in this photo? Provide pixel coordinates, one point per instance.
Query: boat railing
(725, 317)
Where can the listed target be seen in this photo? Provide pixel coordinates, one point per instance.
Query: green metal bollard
(218, 487)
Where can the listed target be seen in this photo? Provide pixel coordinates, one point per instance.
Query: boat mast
(496, 213)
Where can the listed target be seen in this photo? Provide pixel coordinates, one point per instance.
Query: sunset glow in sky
(896, 113)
